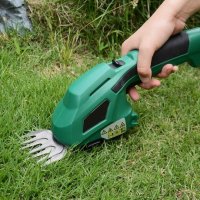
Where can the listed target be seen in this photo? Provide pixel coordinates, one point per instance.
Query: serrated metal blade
(43, 146)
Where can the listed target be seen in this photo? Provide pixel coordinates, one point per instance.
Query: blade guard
(95, 105)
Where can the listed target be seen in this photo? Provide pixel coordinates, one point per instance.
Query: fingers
(144, 62)
(134, 94)
(151, 84)
(144, 57)
(167, 70)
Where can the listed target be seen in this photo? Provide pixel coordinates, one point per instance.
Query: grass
(159, 159)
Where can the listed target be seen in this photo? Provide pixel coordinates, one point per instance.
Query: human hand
(169, 19)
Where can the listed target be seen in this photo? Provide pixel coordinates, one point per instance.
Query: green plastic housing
(103, 90)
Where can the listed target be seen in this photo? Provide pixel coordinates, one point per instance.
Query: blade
(43, 146)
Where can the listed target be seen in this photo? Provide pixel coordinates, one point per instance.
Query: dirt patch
(50, 72)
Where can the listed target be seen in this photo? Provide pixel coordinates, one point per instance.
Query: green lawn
(157, 160)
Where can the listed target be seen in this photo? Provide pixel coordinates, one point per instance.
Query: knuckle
(143, 71)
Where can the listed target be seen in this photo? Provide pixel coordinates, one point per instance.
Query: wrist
(170, 8)
(190, 8)
(174, 7)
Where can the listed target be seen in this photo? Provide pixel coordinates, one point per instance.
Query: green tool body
(95, 106)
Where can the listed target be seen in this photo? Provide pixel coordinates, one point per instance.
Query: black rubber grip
(176, 46)
(125, 78)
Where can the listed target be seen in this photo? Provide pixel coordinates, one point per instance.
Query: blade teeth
(48, 150)
(57, 150)
(46, 157)
(31, 145)
(41, 153)
(56, 157)
(41, 147)
(28, 135)
(30, 141)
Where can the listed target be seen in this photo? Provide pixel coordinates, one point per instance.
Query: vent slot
(99, 86)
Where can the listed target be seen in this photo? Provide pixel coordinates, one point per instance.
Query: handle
(183, 47)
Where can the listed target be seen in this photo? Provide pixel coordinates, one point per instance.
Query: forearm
(177, 11)
(191, 7)
(182, 9)
(170, 8)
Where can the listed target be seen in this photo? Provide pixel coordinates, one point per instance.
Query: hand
(169, 19)
(166, 71)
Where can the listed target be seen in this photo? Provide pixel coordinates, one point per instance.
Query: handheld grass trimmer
(95, 106)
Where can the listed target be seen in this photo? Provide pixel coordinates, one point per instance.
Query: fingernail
(175, 68)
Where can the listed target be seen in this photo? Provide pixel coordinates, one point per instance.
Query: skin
(169, 19)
